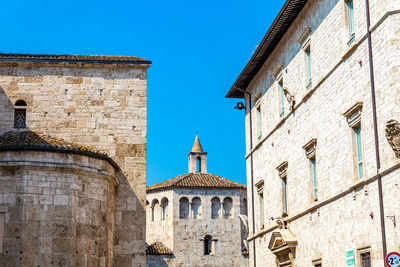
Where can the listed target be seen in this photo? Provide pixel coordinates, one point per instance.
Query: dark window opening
(365, 259)
(20, 114)
(207, 245)
(198, 165)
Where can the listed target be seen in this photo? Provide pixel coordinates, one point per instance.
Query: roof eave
(256, 61)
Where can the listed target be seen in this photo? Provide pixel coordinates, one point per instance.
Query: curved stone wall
(58, 209)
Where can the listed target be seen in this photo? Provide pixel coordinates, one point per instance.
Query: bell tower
(197, 158)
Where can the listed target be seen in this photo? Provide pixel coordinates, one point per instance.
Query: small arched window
(148, 211)
(164, 208)
(198, 164)
(196, 208)
(20, 114)
(228, 208)
(155, 210)
(215, 208)
(207, 245)
(184, 208)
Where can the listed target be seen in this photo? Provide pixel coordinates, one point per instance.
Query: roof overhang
(279, 27)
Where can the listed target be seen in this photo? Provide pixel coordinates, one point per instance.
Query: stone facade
(338, 211)
(97, 101)
(194, 216)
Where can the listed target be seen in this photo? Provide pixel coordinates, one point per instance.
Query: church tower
(197, 158)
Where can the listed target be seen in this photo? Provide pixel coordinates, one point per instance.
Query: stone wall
(104, 106)
(59, 209)
(346, 214)
(187, 235)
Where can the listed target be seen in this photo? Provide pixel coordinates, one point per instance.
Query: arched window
(228, 208)
(196, 208)
(244, 208)
(215, 208)
(20, 114)
(198, 164)
(183, 208)
(207, 245)
(164, 208)
(155, 210)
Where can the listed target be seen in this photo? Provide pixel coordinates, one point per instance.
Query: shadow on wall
(128, 237)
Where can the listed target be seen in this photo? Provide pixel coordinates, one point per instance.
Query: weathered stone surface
(345, 215)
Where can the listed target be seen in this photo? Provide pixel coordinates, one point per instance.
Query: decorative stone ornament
(393, 135)
(283, 244)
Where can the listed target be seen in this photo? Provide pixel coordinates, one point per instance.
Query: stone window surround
(20, 109)
(353, 117)
(213, 244)
(310, 150)
(363, 250)
(282, 170)
(353, 114)
(317, 262)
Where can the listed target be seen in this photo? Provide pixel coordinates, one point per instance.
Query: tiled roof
(95, 59)
(158, 248)
(195, 180)
(29, 140)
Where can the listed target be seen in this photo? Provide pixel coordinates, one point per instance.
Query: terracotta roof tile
(29, 140)
(73, 59)
(195, 180)
(158, 248)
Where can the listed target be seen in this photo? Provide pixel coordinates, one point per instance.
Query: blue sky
(198, 49)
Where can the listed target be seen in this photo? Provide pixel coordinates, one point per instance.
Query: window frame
(361, 251)
(20, 108)
(307, 65)
(350, 27)
(259, 122)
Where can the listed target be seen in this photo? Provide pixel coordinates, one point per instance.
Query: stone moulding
(283, 245)
(353, 114)
(310, 148)
(393, 135)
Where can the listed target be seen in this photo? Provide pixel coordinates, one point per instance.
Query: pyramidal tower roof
(197, 146)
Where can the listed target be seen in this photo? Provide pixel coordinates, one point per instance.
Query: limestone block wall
(160, 230)
(340, 219)
(104, 106)
(59, 209)
(189, 233)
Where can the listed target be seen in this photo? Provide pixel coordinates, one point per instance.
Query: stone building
(72, 160)
(313, 170)
(193, 219)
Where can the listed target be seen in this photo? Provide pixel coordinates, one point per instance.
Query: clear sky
(198, 49)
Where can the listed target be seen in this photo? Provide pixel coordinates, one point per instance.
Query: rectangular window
(2, 222)
(259, 122)
(350, 17)
(313, 172)
(359, 156)
(365, 259)
(307, 52)
(282, 98)
(284, 195)
(261, 204)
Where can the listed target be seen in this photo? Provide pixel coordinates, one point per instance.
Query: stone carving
(290, 98)
(393, 135)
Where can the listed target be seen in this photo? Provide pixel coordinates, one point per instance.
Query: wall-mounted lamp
(239, 106)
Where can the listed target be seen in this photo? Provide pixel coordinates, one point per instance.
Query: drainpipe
(378, 161)
(251, 177)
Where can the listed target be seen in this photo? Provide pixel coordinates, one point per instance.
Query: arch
(164, 208)
(20, 103)
(198, 164)
(196, 208)
(184, 208)
(207, 245)
(20, 114)
(228, 204)
(244, 206)
(215, 208)
(155, 210)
